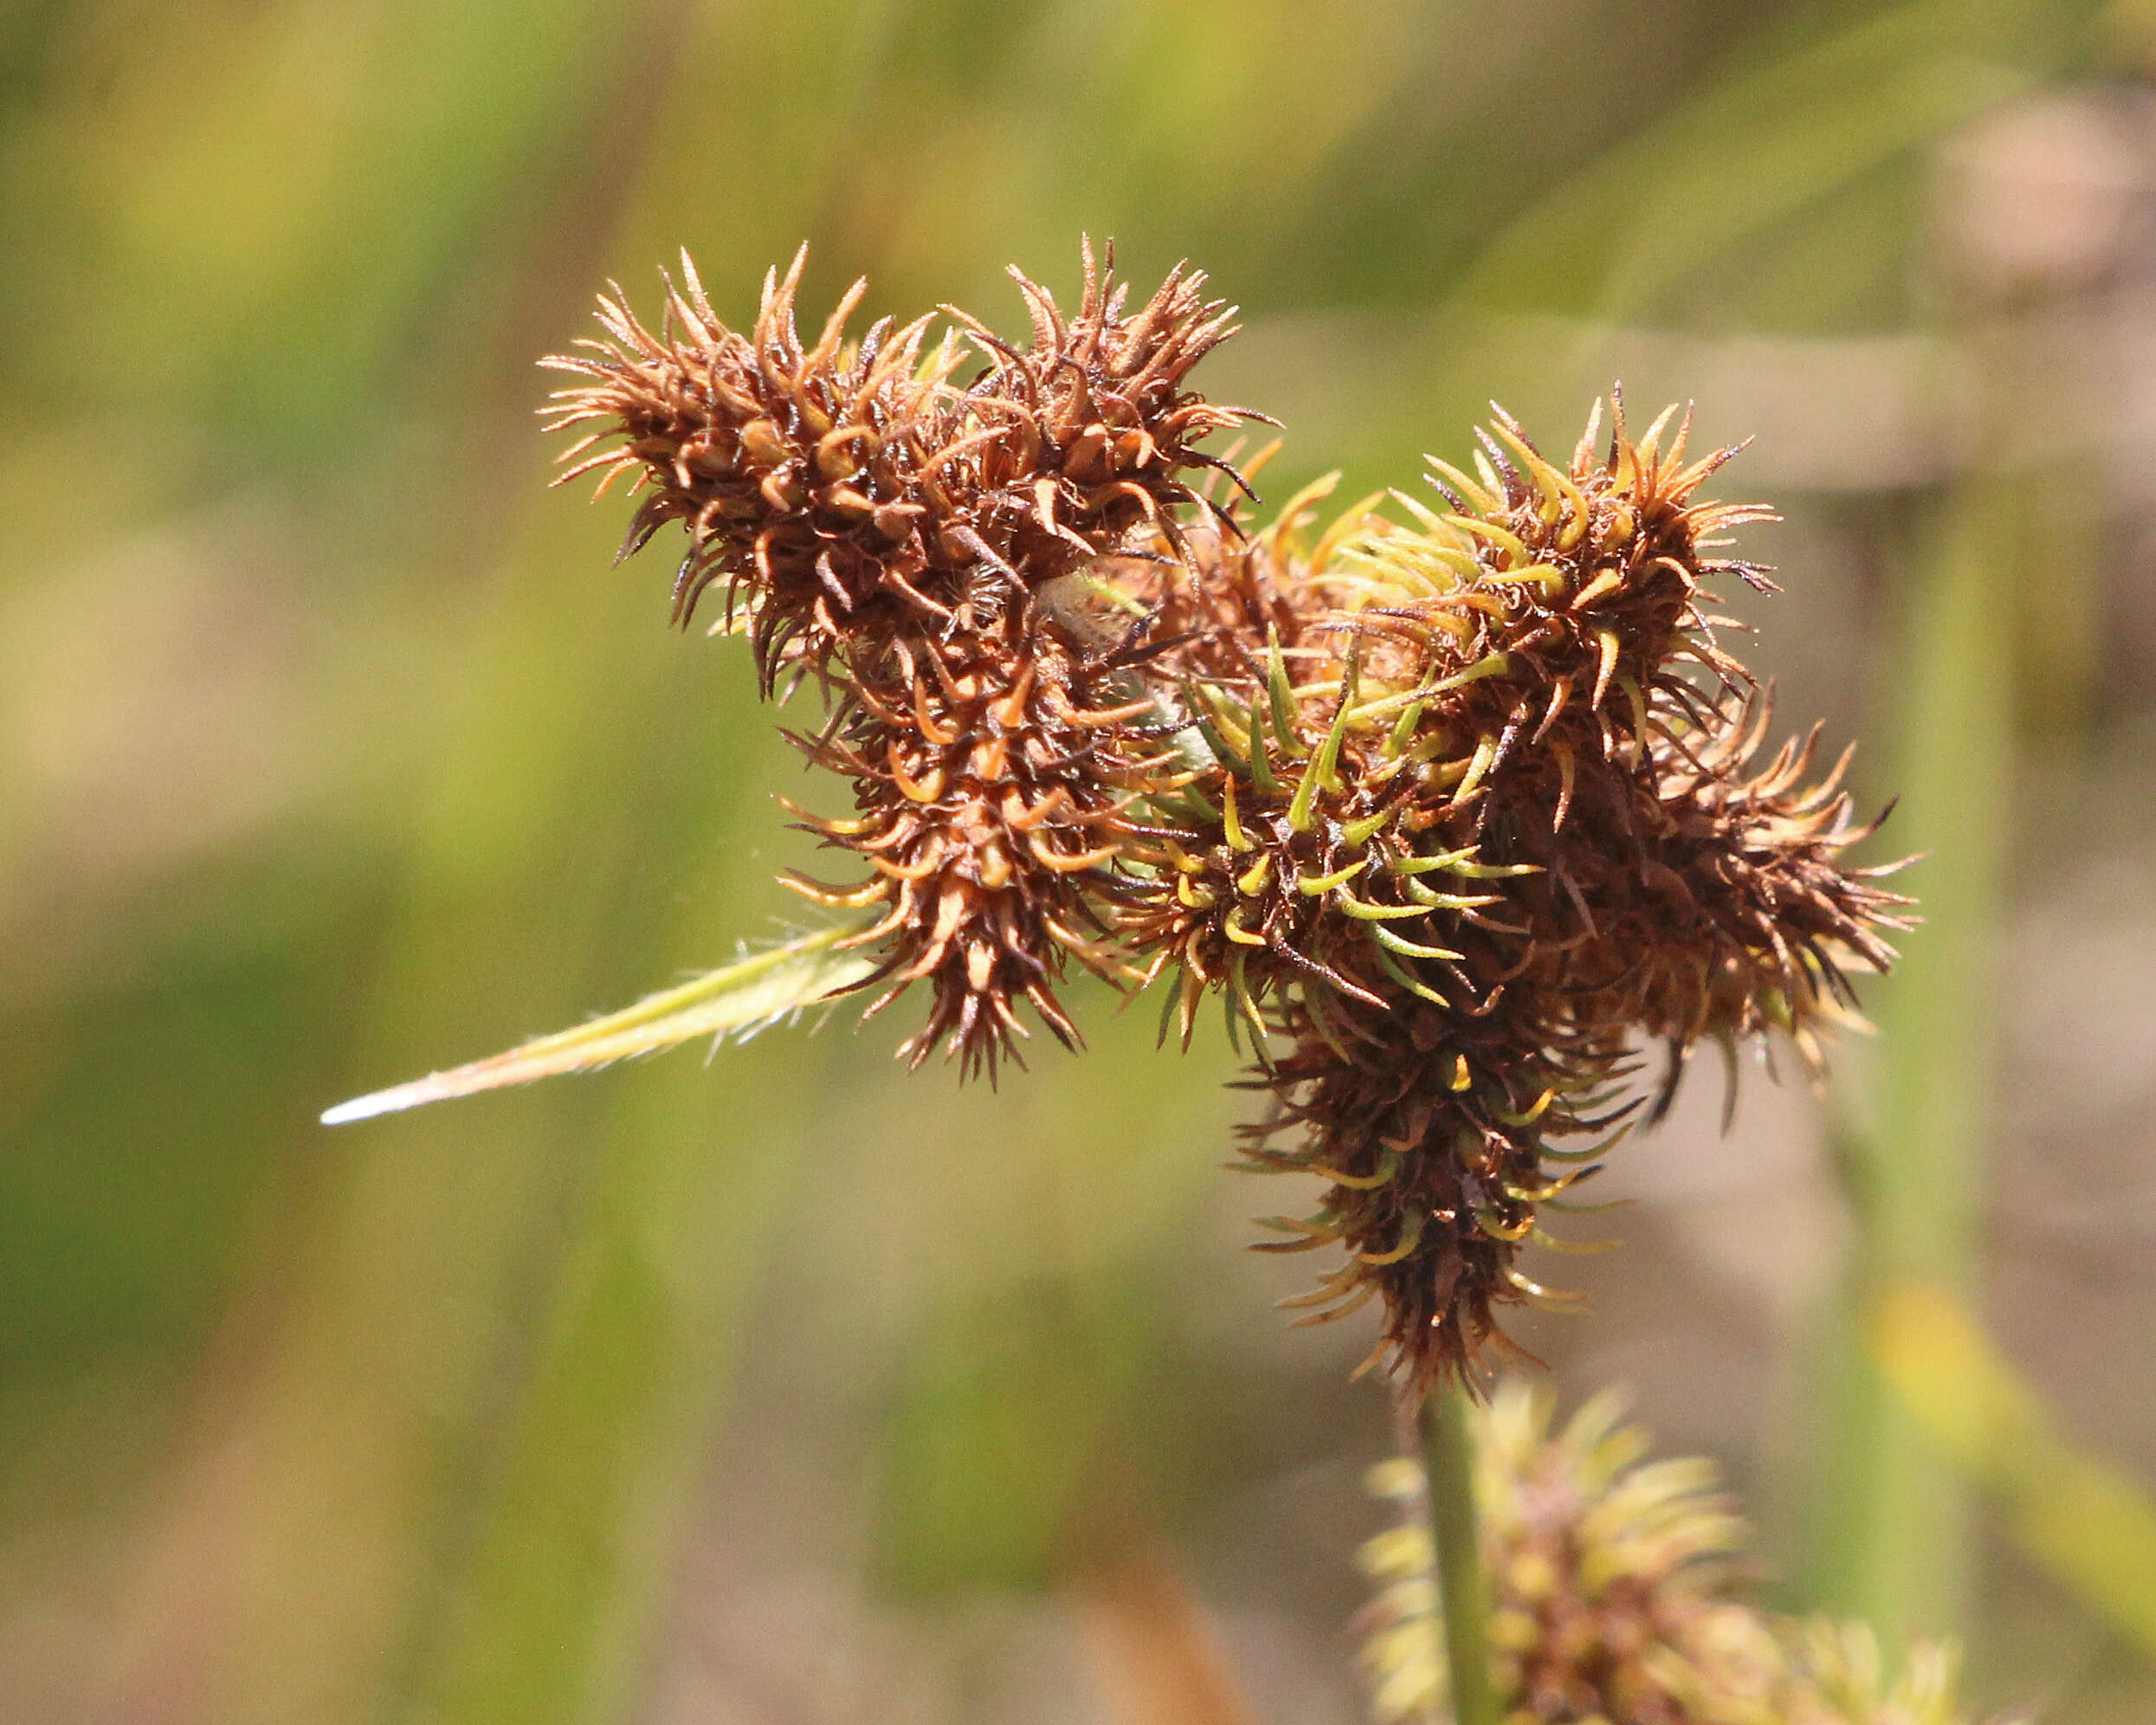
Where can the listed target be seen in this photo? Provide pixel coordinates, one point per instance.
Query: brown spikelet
(846, 491)
(990, 806)
(1481, 813)
(905, 540)
(1098, 429)
(1756, 920)
(1436, 1130)
(802, 474)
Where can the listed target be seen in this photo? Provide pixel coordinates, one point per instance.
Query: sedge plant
(1456, 800)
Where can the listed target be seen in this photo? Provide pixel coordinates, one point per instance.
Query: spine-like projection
(892, 532)
(1480, 819)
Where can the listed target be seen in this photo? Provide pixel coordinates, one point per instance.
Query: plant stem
(1891, 1536)
(1463, 1588)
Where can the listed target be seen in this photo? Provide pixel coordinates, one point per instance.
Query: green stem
(1463, 1587)
(1890, 1539)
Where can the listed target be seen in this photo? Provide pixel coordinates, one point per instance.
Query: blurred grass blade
(1156, 1653)
(1753, 149)
(2083, 1520)
(1890, 1541)
(739, 997)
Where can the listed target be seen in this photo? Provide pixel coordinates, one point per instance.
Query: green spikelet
(1618, 1584)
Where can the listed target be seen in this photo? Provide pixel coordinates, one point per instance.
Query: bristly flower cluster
(891, 532)
(1453, 810)
(1487, 806)
(1617, 1596)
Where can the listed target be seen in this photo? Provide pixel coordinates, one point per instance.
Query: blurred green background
(782, 1387)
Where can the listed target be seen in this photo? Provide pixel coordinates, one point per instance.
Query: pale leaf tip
(394, 1100)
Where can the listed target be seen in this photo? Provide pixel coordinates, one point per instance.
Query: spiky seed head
(803, 475)
(1455, 808)
(850, 492)
(898, 537)
(988, 810)
(1481, 808)
(1619, 1592)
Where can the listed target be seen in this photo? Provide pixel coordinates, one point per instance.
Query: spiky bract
(1618, 1585)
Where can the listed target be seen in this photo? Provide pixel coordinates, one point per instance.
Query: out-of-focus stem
(1155, 1651)
(1890, 1531)
(1462, 1585)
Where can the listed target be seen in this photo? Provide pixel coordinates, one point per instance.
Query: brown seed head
(901, 537)
(1456, 809)
(1478, 815)
(1619, 1594)
(989, 805)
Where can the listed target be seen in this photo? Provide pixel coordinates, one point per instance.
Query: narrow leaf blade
(736, 998)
